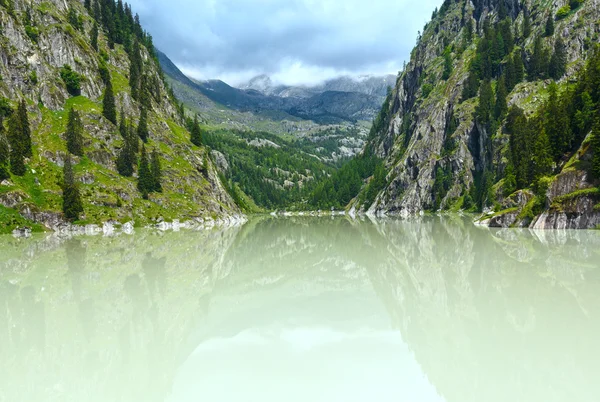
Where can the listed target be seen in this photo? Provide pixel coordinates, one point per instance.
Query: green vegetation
(195, 132)
(72, 205)
(344, 184)
(563, 12)
(274, 172)
(108, 103)
(19, 138)
(71, 79)
(74, 134)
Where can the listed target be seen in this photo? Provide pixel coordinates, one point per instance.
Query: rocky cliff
(40, 38)
(434, 148)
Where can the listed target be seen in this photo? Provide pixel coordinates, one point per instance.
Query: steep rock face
(431, 131)
(30, 69)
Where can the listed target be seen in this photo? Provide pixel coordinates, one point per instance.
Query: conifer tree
(94, 36)
(486, 103)
(447, 64)
(549, 25)
(596, 147)
(134, 140)
(144, 95)
(145, 180)
(557, 124)
(88, 5)
(123, 128)
(526, 24)
(500, 108)
(72, 205)
(471, 87)
(97, 14)
(142, 128)
(18, 143)
(25, 129)
(510, 74)
(558, 62)
(126, 158)
(519, 67)
(542, 155)
(156, 171)
(135, 70)
(196, 133)
(538, 64)
(4, 153)
(108, 104)
(74, 134)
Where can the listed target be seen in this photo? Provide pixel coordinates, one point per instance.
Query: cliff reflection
(487, 315)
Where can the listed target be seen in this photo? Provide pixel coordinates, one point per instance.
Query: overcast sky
(293, 41)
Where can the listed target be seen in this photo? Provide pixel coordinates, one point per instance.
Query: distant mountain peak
(261, 83)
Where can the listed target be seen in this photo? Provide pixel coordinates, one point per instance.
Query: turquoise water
(303, 309)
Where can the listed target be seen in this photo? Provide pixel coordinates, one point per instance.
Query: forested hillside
(90, 133)
(496, 111)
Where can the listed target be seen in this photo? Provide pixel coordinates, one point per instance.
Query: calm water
(303, 309)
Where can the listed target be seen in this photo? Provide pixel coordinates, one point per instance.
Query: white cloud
(294, 41)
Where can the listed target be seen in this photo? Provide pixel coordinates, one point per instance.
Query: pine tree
(135, 70)
(94, 36)
(17, 141)
(123, 129)
(156, 171)
(25, 129)
(97, 13)
(501, 107)
(510, 74)
(196, 133)
(72, 205)
(519, 67)
(557, 123)
(471, 87)
(526, 24)
(542, 155)
(538, 65)
(447, 64)
(74, 134)
(144, 95)
(88, 5)
(126, 159)
(145, 181)
(4, 153)
(549, 25)
(596, 148)
(558, 62)
(484, 110)
(517, 129)
(142, 128)
(108, 104)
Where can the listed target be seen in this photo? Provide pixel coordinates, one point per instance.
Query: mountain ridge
(444, 133)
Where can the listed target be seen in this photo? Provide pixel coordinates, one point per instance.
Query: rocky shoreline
(111, 228)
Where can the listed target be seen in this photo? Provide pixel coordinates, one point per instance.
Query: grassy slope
(108, 196)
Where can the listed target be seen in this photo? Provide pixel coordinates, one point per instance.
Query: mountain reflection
(486, 315)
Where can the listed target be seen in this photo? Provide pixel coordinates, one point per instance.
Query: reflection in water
(298, 309)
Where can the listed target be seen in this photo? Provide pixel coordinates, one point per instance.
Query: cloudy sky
(293, 41)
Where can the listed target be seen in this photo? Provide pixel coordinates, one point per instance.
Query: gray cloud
(294, 41)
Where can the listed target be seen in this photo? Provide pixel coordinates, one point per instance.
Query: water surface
(303, 309)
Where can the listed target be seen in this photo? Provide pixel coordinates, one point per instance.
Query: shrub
(563, 12)
(427, 88)
(72, 80)
(33, 78)
(575, 4)
(32, 32)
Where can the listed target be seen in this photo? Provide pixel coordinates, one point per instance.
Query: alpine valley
(496, 113)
